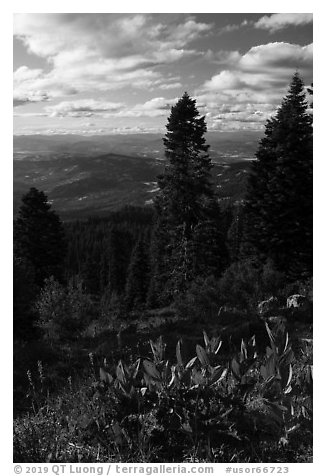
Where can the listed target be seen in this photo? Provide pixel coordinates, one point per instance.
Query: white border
(94, 6)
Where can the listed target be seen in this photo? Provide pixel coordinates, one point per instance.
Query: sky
(90, 73)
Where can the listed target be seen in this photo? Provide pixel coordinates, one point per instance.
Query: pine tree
(138, 276)
(159, 268)
(279, 199)
(210, 254)
(39, 236)
(186, 206)
(118, 257)
(235, 233)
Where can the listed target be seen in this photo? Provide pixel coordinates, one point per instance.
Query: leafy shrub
(245, 283)
(63, 311)
(272, 281)
(201, 300)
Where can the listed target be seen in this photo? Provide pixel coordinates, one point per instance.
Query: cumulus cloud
(186, 32)
(101, 51)
(170, 85)
(251, 116)
(280, 58)
(23, 77)
(158, 103)
(223, 57)
(262, 68)
(255, 84)
(278, 21)
(155, 107)
(33, 85)
(83, 108)
(92, 55)
(233, 27)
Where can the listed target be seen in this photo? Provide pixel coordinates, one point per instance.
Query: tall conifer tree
(279, 199)
(186, 206)
(138, 275)
(39, 236)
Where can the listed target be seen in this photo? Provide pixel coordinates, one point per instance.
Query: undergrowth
(248, 407)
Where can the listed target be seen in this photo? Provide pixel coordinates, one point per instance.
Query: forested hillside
(83, 177)
(110, 312)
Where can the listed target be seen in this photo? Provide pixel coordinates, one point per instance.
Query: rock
(268, 305)
(296, 300)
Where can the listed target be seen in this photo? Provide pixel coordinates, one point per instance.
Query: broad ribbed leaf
(121, 376)
(217, 375)
(287, 357)
(202, 356)
(235, 367)
(134, 369)
(105, 376)
(151, 370)
(286, 375)
(271, 338)
(191, 362)
(244, 354)
(157, 349)
(216, 344)
(270, 366)
(197, 377)
(178, 354)
(206, 340)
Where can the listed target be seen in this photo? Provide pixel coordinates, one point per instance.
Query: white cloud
(263, 68)
(277, 57)
(83, 108)
(23, 77)
(233, 27)
(33, 85)
(91, 55)
(278, 21)
(254, 86)
(155, 107)
(25, 74)
(223, 57)
(156, 103)
(224, 81)
(170, 86)
(185, 32)
(101, 51)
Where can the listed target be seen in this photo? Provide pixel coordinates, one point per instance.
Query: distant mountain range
(91, 175)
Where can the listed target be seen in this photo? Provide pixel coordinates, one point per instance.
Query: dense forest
(90, 294)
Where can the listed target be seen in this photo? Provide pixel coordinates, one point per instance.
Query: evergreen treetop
(39, 236)
(187, 208)
(279, 198)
